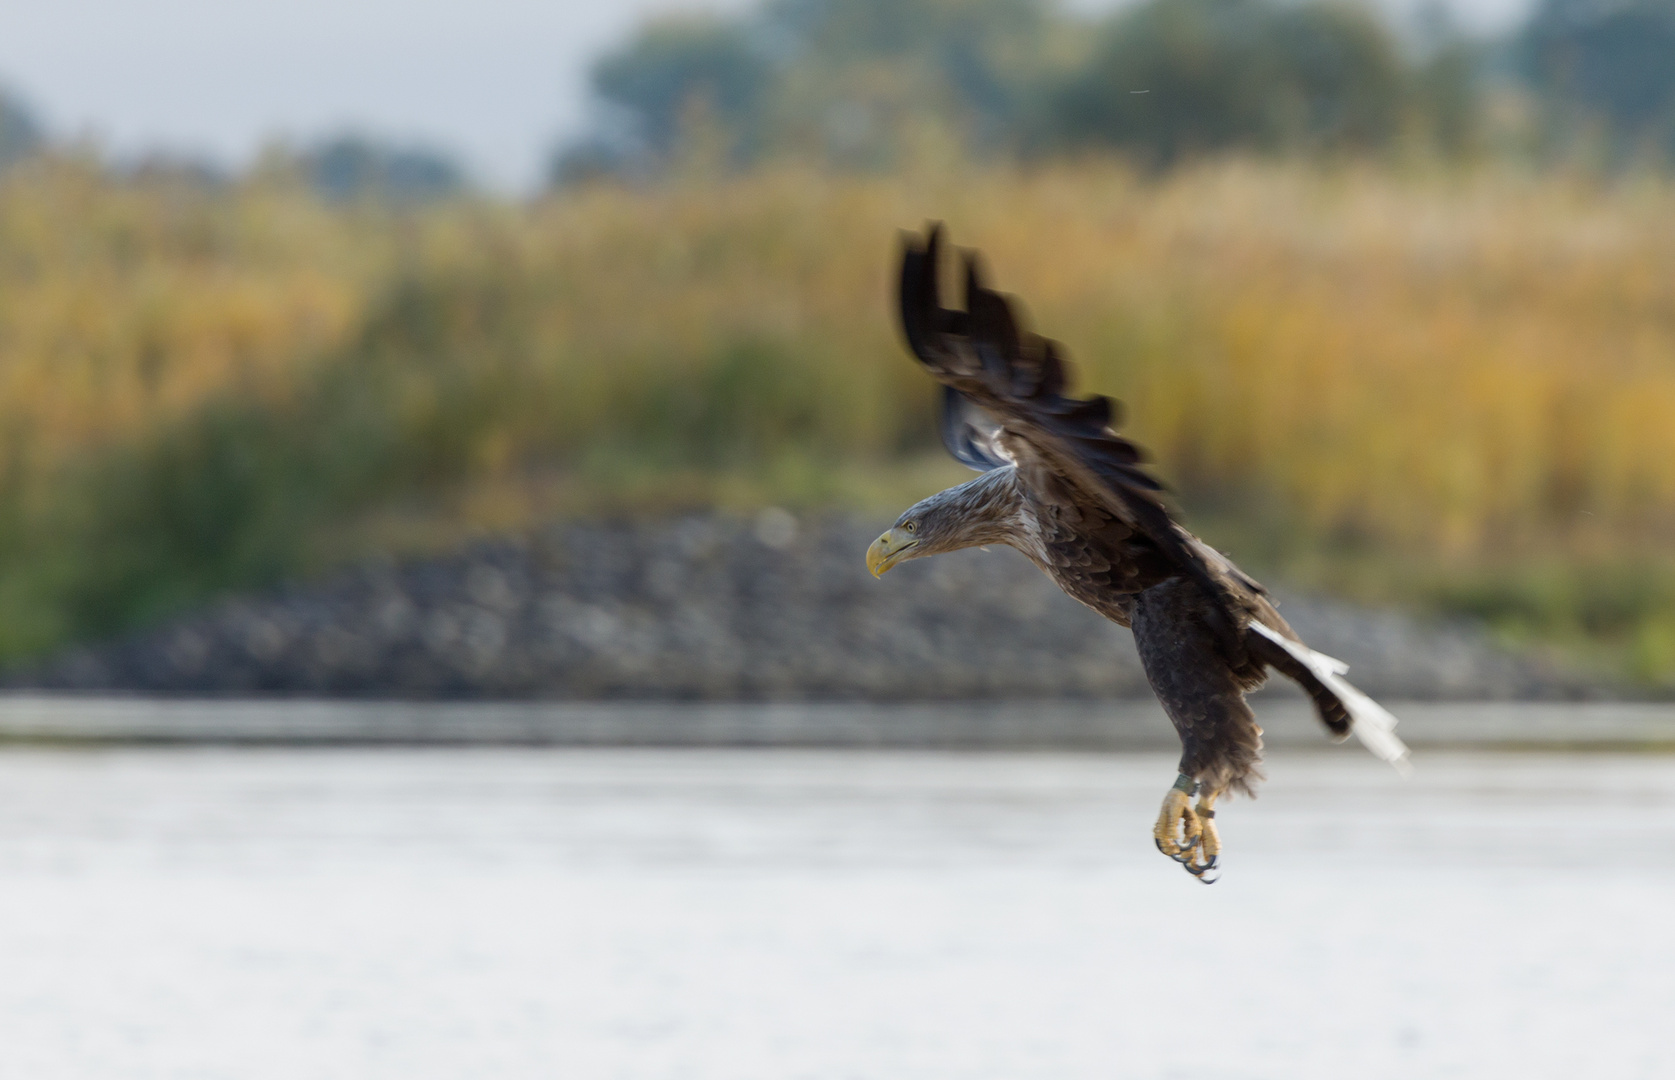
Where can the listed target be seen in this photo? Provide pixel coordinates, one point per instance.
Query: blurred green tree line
(877, 83)
(1605, 74)
(347, 166)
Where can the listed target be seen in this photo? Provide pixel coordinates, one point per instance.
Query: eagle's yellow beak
(888, 550)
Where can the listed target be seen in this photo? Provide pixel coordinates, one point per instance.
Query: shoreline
(1086, 726)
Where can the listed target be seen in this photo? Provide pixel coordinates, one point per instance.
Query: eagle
(1058, 483)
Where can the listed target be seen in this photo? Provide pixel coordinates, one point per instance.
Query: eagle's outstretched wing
(1006, 401)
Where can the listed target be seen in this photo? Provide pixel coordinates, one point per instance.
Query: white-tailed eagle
(1070, 493)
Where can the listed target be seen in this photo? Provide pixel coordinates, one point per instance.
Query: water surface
(649, 914)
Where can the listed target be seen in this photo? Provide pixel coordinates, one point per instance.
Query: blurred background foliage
(1604, 74)
(1393, 308)
(877, 84)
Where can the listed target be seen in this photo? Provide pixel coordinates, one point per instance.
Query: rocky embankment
(709, 608)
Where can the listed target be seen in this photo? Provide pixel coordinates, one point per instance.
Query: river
(653, 914)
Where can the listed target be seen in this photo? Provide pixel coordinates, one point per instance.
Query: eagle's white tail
(1372, 723)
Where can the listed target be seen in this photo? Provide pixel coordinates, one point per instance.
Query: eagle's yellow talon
(1178, 829)
(1187, 833)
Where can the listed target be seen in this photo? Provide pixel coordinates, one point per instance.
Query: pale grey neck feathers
(988, 509)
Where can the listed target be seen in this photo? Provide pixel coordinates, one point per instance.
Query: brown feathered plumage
(1064, 488)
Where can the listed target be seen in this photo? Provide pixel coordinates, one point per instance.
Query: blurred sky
(496, 81)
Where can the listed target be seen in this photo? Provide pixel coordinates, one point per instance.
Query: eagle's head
(983, 511)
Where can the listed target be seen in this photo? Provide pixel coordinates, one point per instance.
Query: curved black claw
(1199, 871)
(1185, 857)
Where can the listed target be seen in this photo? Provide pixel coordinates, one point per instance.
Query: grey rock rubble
(713, 608)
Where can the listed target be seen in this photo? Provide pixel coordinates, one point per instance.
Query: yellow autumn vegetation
(1452, 388)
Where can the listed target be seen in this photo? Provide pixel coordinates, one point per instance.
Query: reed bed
(1453, 390)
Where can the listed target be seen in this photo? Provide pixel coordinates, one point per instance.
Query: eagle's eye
(911, 527)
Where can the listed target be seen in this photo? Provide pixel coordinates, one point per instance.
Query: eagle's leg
(1204, 697)
(1178, 829)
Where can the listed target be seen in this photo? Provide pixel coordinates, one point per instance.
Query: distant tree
(874, 83)
(676, 65)
(870, 71)
(837, 78)
(20, 132)
(1447, 78)
(357, 167)
(1606, 61)
(975, 44)
(1180, 76)
(600, 155)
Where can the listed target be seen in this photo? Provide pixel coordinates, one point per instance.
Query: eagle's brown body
(1062, 487)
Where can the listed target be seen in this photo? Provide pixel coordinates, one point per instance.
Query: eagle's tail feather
(1372, 723)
